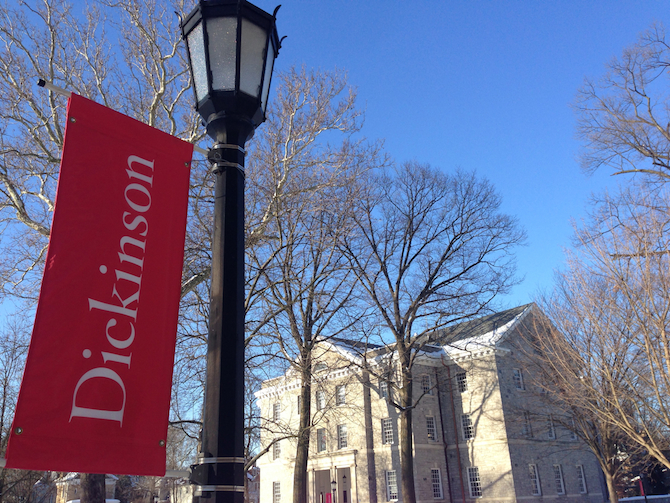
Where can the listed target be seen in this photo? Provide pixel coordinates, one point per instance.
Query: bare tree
(302, 290)
(15, 485)
(431, 249)
(577, 369)
(624, 116)
(612, 309)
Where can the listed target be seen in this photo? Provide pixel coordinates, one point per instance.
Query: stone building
(481, 431)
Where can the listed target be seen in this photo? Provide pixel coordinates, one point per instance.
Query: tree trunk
(302, 450)
(405, 440)
(92, 488)
(611, 489)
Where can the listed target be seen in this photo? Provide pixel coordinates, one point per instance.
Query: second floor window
(341, 436)
(387, 431)
(340, 395)
(276, 411)
(276, 450)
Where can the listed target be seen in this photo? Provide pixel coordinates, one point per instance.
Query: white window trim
(462, 382)
(517, 376)
(527, 425)
(551, 432)
(470, 427)
(558, 477)
(276, 492)
(581, 480)
(473, 471)
(426, 384)
(387, 431)
(320, 400)
(534, 475)
(388, 485)
(323, 436)
(431, 419)
(383, 389)
(436, 483)
(342, 428)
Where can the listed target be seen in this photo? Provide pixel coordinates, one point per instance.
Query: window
(462, 382)
(340, 394)
(581, 480)
(573, 429)
(321, 440)
(551, 429)
(341, 436)
(430, 428)
(436, 479)
(474, 482)
(320, 400)
(558, 478)
(320, 367)
(391, 486)
(387, 431)
(535, 488)
(426, 384)
(276, 493)
(468, 428)
(526, 427)
(276, 411)
(383, 389)
(518, 379)
(276, 450)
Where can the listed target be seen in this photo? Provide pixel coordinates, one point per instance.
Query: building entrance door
(322, 487)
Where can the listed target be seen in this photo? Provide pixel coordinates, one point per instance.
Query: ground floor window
(536, 489)
(436, 480)
(391, 486)
(581, 479)
(474, 482)
(558, 478)
(276, 493)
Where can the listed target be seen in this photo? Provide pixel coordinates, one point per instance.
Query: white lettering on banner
(137, 196)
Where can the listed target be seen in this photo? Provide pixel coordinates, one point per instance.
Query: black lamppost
(231, 46)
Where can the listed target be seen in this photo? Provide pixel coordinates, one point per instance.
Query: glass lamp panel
(269, 64)
(196, 49)
(252, 63)
(222, 34)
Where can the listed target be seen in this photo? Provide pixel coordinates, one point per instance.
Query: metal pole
(219, 474)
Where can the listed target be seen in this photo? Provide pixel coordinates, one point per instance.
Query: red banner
(96, 389)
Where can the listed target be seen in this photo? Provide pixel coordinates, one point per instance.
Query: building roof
(492, 323)
(467, 336)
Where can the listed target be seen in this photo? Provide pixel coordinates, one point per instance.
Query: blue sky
(477, 85)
